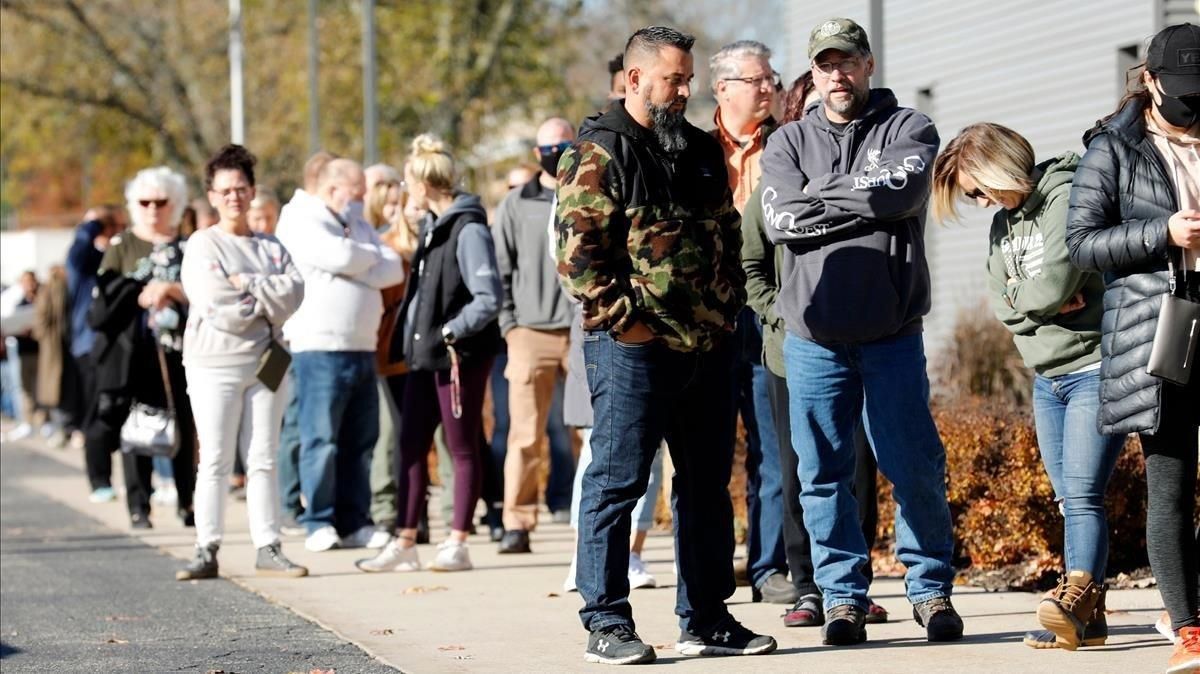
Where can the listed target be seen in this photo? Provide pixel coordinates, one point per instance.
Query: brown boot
(1067, 614)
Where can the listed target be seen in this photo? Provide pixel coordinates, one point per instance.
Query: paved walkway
(510, 614)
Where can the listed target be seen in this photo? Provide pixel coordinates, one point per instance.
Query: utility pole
(314, 111)
(370, 143)
(237, 120)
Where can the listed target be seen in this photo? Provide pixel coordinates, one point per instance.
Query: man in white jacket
(333, 338)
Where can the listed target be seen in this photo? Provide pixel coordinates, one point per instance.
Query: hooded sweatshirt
(533, 297)
(344, 266)
(1030, 277)
(849, 204)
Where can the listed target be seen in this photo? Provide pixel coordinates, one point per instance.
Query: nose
(685, 91)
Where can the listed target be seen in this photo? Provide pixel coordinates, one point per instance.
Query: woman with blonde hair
(1053, 310)
(448, 333)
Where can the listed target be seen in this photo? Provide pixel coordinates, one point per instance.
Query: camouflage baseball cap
(840, 34)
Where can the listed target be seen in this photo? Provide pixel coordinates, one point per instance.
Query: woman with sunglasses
(138, 315)
(1053, 311)
(1135, 215)
(243, 286)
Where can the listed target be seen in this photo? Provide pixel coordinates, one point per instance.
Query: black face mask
(1181, 113)
(549, 162)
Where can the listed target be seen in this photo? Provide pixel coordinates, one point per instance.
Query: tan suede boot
(1068, 614)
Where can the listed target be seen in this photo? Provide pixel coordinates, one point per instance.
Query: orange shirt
(741, 160)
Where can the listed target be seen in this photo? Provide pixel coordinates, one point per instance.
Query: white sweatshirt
(228, 326)
(344, 268)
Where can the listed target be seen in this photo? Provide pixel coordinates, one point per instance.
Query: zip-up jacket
(649, 235)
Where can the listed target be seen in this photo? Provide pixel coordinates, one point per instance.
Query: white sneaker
(452, 556)
(392, 558)
(165, 494)
(1163, 627)
(322, 539)
(360, 538)
(569, 581)
(379, 539)
(103, 495)
(638, 575)
(20, 432)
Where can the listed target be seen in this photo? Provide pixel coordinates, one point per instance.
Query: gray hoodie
(533, 297)
(849, 204)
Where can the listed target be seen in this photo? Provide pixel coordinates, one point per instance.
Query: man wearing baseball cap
(855, 238)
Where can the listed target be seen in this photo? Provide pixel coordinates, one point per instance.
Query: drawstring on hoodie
(455, 384)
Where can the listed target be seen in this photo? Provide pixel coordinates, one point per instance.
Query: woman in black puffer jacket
(1135, 205)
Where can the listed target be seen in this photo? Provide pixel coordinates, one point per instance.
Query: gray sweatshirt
(533, 297)
(849, 204)
(229, 325)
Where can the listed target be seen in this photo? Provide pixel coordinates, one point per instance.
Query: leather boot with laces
(203, 564)
(1067, 613)
(1094, 634)
(272, 562)
(845, 625)
(940, 620)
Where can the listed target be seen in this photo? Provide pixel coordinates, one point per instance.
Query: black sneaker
(729, 637)
(272, 562)
(187, 518)
(140, 521)
(514, 541)
(940, 620)
(617, 645)
(845, 625)
(203, 564)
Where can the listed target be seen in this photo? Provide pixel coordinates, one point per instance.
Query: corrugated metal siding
(1046, 68)
(1181, 11)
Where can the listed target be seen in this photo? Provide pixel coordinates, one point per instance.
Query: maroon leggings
(427, 404)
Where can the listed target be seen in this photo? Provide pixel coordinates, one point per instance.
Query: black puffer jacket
(1121, 199)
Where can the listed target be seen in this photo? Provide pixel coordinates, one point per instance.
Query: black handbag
(273, 363)
(149, 430)
(1173, 353)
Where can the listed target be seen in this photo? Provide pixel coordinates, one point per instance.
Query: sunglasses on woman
(158, 203)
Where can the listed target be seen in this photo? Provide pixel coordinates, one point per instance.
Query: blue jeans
(339, 424)
(643, 512)
(828, 386)
(1079, 461)
(288, 462)
(641, 395)
(764, 487)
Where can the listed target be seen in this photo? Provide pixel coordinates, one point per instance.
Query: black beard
(668, 126)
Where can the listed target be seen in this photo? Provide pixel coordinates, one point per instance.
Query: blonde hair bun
(431, 163)
(426, 144)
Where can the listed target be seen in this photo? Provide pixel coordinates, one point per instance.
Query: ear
(633, 79)
(213, 200)
(870, 65)
(722, 85)
(1148, 80)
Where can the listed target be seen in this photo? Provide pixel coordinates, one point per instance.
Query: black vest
(440, 292)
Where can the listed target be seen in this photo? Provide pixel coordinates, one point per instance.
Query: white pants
(234, 412)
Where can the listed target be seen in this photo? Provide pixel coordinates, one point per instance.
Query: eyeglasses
(774, 79)
(976, 193)
(550, 149)
(241, 191)
(845, 67)
(157, 203)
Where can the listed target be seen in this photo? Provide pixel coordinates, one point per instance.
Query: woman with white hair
(138, 315)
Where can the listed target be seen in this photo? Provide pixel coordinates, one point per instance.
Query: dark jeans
(641, 395)
(339, 424)
(1171, 536)
(427, 403)
(795, 536)
(103, 436)
(562, 456)
(764, 491)
(289, 458)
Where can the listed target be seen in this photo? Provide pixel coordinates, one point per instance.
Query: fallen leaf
(115, 640)
(421, 589)
(464, 657)
(387, 631)
(552, 595)
(663, 647)
(451, 648)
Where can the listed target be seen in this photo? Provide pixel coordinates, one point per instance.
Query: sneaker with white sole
(379, 539)
(569, 582)
(322, 539)
(452, 556)
(728, 638)
(1163, 627)
(103, 495)
(638, 575)
(618, 645)
(20, 432)
(359, 538)
(393, 557)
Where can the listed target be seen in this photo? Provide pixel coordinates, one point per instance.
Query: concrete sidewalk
(511, 615)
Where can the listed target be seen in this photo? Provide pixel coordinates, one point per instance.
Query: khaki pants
(536, 359)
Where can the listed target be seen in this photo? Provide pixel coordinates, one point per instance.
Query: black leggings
(1171, 535)
(795, 537)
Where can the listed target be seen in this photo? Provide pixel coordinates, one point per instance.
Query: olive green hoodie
(1030, 277)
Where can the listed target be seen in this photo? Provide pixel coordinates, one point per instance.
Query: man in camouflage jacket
(649, 241)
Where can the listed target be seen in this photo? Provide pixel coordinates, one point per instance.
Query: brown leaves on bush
(980, 360)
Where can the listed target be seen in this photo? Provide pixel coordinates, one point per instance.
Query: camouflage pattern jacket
(647, 235)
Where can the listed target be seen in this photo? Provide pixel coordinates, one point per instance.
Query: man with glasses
(745, 88)
(535, 319)
(648, 241)
(856, 286)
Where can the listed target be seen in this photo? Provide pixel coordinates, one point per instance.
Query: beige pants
(536, 359)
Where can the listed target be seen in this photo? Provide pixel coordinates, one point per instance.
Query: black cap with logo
(1174, 58)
